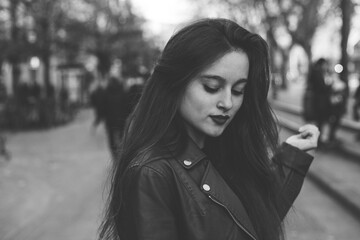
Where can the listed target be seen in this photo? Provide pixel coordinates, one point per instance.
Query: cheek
(237, 104)
(195, 101)
(189, 106)
(202, 104)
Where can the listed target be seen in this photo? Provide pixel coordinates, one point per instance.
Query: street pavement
(53, 188)
(317, 215)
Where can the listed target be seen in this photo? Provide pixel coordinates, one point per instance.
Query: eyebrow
(216, 77)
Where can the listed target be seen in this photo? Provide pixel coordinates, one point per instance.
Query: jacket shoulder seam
(149, 165)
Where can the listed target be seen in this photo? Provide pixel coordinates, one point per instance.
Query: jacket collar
(191, 155)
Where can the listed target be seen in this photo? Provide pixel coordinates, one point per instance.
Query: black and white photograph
(179, 120)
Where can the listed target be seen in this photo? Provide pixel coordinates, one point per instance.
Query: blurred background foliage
(70, 29)
(52, 38)
(48, 41)
(286, 24)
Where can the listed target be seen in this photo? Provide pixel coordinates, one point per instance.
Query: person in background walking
(337, 108)
(356, 108)
(97, 98)
(133, 92)
(200, 158)
(320, 89)
(114, 110)
(34, 102)
(4, 152)
(64, 102)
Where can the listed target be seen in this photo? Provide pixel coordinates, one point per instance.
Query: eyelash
(210, 89)
(238, 93)
(214, 90)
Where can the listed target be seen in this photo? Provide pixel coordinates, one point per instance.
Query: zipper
(232, 216)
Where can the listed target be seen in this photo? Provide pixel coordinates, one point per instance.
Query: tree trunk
(307, 49)
(47, 78)
(14, 58)
(345, 30)
(284, 68)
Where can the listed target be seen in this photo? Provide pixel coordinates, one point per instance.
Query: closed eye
(238, 92)
(210, 89)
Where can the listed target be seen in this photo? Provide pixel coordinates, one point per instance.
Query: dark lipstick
(220, 119)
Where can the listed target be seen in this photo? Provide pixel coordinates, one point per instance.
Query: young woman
(200, 158)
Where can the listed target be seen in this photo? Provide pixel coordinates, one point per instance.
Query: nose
(225, 102)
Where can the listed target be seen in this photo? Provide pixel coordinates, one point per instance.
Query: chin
(215, 132)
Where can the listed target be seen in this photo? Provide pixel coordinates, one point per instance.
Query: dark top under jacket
(186, 198)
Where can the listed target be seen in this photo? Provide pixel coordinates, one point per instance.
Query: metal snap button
(187, 162)
(206, 187)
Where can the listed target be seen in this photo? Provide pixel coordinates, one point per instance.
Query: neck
(198, 138)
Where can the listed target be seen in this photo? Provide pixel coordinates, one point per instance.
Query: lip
(220, 119)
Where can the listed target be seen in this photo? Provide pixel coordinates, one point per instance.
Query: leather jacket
(186, 198)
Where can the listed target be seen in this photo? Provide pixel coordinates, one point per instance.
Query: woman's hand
(307, 138)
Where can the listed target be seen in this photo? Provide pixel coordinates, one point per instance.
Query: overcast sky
(164, 15)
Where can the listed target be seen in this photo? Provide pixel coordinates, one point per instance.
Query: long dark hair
(245, 146)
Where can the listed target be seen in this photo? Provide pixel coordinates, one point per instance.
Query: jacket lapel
(215, 187)
(218, 190)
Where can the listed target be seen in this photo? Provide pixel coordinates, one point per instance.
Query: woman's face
(212, 98)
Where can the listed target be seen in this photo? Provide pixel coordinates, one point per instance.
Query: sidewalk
(291, 100)
(52, 188)
(339, 174)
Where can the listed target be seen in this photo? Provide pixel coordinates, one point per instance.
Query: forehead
(232, 66)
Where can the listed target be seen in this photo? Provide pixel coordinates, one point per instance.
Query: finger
(303, 128)
(308, 127)
(310, 133)
(306, 134)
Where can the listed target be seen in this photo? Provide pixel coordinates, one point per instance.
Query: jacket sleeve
(149, 212)
(292, 165)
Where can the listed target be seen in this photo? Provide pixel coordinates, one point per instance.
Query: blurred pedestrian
(337, 108)
(113, 112)
(133, 93)
(3, 93)
(356, 109)
(4, 152)
(22, 93)
(97, 99)
(64, 101)
(34, 102)
(196, 160)
(35, 91)
(318, 106)
(28, 96)
(47, 109)
(3, 101)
